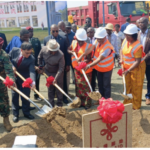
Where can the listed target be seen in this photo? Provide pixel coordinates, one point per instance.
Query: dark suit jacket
(147, 46)
(62, 40)
(26, 68)
(2, 35)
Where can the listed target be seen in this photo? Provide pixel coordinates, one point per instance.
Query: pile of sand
(67, 132)
(95, 95)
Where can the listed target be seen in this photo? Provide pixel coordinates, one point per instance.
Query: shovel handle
(45, 75)
(19, 75)
(85, 76)
(62, 91)
(124, 81)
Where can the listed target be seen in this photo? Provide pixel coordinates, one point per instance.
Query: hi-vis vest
(79, 53)
(129, 51)
(106, 64)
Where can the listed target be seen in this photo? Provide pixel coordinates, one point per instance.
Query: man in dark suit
(2, 35)
(63, 47)
(144, 38)
(36, 45)
(23, 62)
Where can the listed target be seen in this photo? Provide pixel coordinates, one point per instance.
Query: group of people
(56, 58)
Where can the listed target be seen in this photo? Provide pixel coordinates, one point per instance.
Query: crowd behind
(102, 49)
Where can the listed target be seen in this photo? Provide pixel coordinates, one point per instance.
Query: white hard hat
(100, 33)
(81, 35)
(131, 29)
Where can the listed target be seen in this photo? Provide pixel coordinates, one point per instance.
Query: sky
(71, 3)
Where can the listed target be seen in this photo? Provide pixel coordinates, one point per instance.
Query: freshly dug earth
(67, 132)
(76, 103)
(95, 95)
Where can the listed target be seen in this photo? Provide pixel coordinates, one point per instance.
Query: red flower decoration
(49, 81)
(82, 65)
(120, 72)
(27, 83)
(8, 82)
(111, 111)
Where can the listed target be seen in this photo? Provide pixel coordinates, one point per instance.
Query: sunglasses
(90, 32)
(55, 31)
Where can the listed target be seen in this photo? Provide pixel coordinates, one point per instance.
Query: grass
(39, 33)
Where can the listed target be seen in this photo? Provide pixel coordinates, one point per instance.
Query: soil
(76, 103)
(67, 132)
(95, 95)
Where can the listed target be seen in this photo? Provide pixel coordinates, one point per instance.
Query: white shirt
(120, 37)
(143, 37)
(114, 42)
(92, 40)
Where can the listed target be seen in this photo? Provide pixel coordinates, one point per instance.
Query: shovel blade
(125, 96)
(44, 110)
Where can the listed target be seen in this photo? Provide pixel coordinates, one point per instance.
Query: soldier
(5, 70)
(36, 44)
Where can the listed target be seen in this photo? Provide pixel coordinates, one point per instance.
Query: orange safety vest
(106, 64)
(129, 51)
(84, 47)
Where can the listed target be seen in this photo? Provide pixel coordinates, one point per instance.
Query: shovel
(19, 75)
(44, 110)
(125, 95)
(74, 103)
(92, 93)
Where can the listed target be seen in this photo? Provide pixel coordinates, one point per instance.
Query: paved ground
(117, 87)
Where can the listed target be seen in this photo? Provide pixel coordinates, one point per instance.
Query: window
(33, 6)
(77, 12)
(35, 21)
(24, 21)
(19, 7)
(11, 22)
(82, 21)
(2, 24)
(6, 8)
(25, 6)
(110, 8)
(86, 12)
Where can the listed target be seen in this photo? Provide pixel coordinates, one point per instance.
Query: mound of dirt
(76, 103)
(67, 132)
(95, 95)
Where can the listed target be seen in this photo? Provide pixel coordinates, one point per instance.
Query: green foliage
(64, 14)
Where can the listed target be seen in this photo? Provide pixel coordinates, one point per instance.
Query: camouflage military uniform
(5, 70)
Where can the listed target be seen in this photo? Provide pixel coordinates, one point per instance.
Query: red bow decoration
(49, 81)
(111, 111)
(82, 65)
(120, 72)
(8, 82)
(143, 14)
(27, 83)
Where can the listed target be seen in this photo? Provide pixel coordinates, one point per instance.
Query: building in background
(31, 13)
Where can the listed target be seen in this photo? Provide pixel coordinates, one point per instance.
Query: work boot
(7, 124)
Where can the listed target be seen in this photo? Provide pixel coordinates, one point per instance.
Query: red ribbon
(27, 83)
(49, 81)
(8, 82)
(120, 72)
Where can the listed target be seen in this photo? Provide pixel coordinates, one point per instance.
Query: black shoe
(32, 108)
(15, 119)
(65, 101)
(38, 98)
(20, 107)
(29, 116)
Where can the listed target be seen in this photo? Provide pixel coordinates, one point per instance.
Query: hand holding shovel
(93, 95)
(74, 103)
(41, 111)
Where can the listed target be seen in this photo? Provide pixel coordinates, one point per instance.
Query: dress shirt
(143, 37)
(92, 40)
(113, 42)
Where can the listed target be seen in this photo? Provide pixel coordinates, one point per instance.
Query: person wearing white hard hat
(103, 61)
(79, 46)
(133, 64)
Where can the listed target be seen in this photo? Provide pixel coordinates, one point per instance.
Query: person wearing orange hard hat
(132, 58)
(79, 46)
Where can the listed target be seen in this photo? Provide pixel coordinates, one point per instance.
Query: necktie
(19, 61)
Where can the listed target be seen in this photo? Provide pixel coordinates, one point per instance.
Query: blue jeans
(148, 81)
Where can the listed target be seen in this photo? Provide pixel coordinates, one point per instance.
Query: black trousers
(94, 76)
(15, 99)
(104, 83)
(37, 82)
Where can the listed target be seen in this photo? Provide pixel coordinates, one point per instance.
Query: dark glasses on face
(55, 31)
